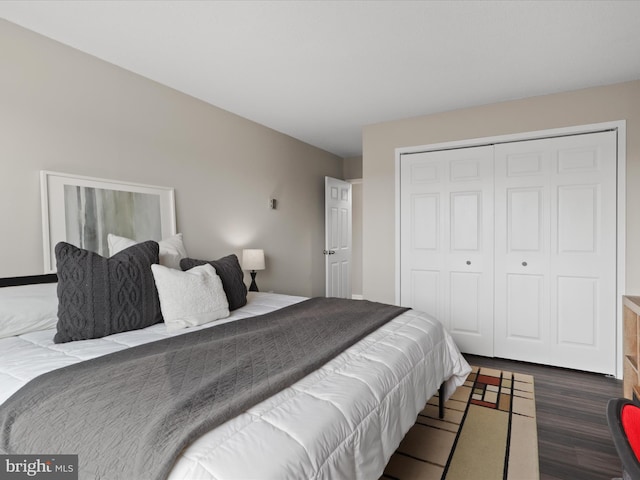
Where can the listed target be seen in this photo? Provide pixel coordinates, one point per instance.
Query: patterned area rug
(488, 433)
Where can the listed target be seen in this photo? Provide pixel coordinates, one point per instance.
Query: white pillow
(28, 308)
(171, 249)
(190, 298)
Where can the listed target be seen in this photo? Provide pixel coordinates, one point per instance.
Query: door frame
(356, 181)
(619, 126)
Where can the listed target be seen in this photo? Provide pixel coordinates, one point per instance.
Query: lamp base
(254, 286)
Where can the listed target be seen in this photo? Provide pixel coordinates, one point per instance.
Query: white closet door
(555, 260)
(446, 235)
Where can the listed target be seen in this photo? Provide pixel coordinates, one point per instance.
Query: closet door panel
(464, 303)
(446, 236)
(466, 218)
(425, 230)
(521, 251)
(577, 311)
(524, 219)
(583, 261)
(567, 237)
(422, 235)
(425, 292)
(525, 306)
(578, 222)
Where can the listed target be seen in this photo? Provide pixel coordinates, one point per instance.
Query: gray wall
(65, 111)
(352, 168)
(593, 105)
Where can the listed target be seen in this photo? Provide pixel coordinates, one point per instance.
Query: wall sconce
(252, 260)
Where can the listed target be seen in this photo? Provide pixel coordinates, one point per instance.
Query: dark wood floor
(573, 438)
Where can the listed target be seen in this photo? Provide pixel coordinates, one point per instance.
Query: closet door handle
(524, 264)
(468, 262)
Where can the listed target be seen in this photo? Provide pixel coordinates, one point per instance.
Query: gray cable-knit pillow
(229, 270)
(100, 296)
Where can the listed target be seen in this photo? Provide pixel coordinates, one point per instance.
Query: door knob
(328, 252)
(524, 264)
(468, 262)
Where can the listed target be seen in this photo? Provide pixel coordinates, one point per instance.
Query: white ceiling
(320, 70)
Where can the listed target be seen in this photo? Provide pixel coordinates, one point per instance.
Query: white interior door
(337, 233)
(555, 261)
(446, 236)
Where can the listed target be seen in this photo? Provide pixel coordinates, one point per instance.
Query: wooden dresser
(631, 344)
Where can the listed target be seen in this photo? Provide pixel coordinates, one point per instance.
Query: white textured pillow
(190, 298)
(171, 249)
(28, 308)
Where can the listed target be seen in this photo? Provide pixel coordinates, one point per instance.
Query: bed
(342, 421)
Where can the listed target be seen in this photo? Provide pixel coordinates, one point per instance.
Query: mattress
(342, 421)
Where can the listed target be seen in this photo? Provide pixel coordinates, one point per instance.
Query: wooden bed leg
(441, 401)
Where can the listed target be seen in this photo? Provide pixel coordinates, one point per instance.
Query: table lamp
(252, 260)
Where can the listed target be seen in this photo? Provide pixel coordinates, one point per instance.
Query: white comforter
(341, 422)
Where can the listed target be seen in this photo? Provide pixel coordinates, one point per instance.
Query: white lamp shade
(253, 259)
